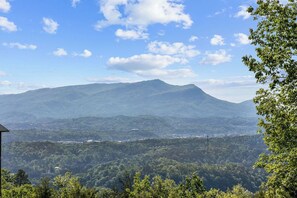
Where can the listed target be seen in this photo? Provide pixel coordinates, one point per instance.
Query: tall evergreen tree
(21, 178)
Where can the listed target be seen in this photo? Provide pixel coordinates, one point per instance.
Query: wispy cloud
(243, 12)
(86, 54)
(177, 49)
(20, 46)
(7, 25)
(50, 26)
(5, 83)
(234, 88)
(9, 87)
(60, 52)
(235, 81)
(74, 3)
(217, 57)
(110, 79)
(168, 73)
(131, 34)
(222, 11)
(242, 38)
(193, 38)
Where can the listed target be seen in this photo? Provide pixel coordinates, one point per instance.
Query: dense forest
(125, 128)
(220, 162)
(132, 186)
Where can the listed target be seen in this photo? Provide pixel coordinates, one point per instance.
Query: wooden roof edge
(3, 129)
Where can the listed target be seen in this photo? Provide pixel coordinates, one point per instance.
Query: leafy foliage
(68, 186)
(21, 178)
(220, 162)
(276, 45)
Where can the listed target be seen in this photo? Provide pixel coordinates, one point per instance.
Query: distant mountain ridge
(153, 97)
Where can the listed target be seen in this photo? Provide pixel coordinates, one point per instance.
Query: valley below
(106, 133)
(125, 128)
(221, 162)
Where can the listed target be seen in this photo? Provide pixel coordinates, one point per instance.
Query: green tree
(237, 192)
(163, 188)
(141, 187)
(7, 179)
(44, 189)
(68, 186)
(21, 178)
(193, 186)
(275, 39)
(26, 190)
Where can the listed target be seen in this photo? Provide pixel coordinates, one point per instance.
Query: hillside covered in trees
(125, 128)
(69, 186)
(220, 162)
(153, 97)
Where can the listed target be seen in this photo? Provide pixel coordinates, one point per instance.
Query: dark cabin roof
(3, 129)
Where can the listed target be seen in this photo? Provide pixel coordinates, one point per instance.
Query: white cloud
(193, 38)
(140, 14)
(60, 52)
(177, 49)
(217, 40)
(110, 79)
(7, 25)
(8, 87)
(142, 62)
(155, 63)
(86, 54)
(148, 12)
(167, 73)
(233, 88)
(242, 38)
(5, 83)
(217, 57)
(236, 81)
(150, 66)
(74, 3)
(131, 34)
(50, 26)
(4, 6)
(143, 13)
(243, 12)
(20, 46)
(222, 11)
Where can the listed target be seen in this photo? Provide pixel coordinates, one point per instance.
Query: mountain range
(153, 97)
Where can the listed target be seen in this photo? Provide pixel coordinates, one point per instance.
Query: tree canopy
(275, 39)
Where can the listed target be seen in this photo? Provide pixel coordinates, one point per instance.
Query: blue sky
(54, 43)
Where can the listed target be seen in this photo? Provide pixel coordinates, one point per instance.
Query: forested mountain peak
(152, 97)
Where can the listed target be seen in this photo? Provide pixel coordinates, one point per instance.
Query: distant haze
(153, 97)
